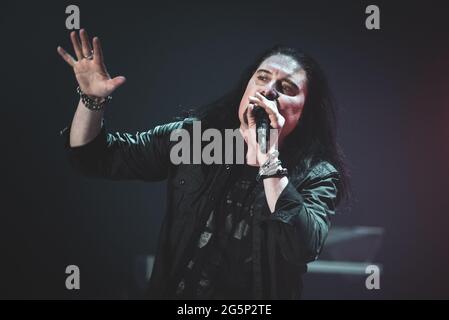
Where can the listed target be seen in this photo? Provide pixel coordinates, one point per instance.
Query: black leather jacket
(283, 242)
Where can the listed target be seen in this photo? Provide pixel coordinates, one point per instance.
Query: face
(282, 77)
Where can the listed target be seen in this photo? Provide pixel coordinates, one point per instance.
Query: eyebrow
(285, 79)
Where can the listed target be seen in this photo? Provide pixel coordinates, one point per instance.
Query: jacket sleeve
(300, 222)
(124, 156)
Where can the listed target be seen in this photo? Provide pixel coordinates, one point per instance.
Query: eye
(288, 89)
(262, 78)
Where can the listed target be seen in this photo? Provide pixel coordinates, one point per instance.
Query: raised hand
(89, 68)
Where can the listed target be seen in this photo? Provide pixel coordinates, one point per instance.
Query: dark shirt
(221, 264)
(282, 242)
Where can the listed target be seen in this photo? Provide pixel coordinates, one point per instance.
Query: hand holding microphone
(262, 115)
(266, 116)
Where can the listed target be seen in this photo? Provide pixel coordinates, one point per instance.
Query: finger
(255, 100)
(76, 45)
(271, 106)
(266, 106)
(260, 96)
(98, 52)
(271, 109)
(264, 100)
(87, 49)
(116, 82)
(251, 120)
(67, 57)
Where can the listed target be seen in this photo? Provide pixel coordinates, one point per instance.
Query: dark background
(391, 86)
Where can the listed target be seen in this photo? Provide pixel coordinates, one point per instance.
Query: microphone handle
(262, 128)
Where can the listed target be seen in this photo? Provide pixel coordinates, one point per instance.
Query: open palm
(89, 68)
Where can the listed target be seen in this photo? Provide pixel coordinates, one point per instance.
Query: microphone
(262, 128)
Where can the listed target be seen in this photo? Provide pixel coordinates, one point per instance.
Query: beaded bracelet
(281, 172)
(93, 103)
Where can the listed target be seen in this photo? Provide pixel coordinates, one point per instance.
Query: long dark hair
(313, 139)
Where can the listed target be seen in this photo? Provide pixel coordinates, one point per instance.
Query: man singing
(231, 231)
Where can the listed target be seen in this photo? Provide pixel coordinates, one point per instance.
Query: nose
(270, 92)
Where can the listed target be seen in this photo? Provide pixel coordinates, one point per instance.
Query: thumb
(116, 82)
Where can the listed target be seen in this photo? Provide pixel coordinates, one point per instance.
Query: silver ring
(91, 56)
